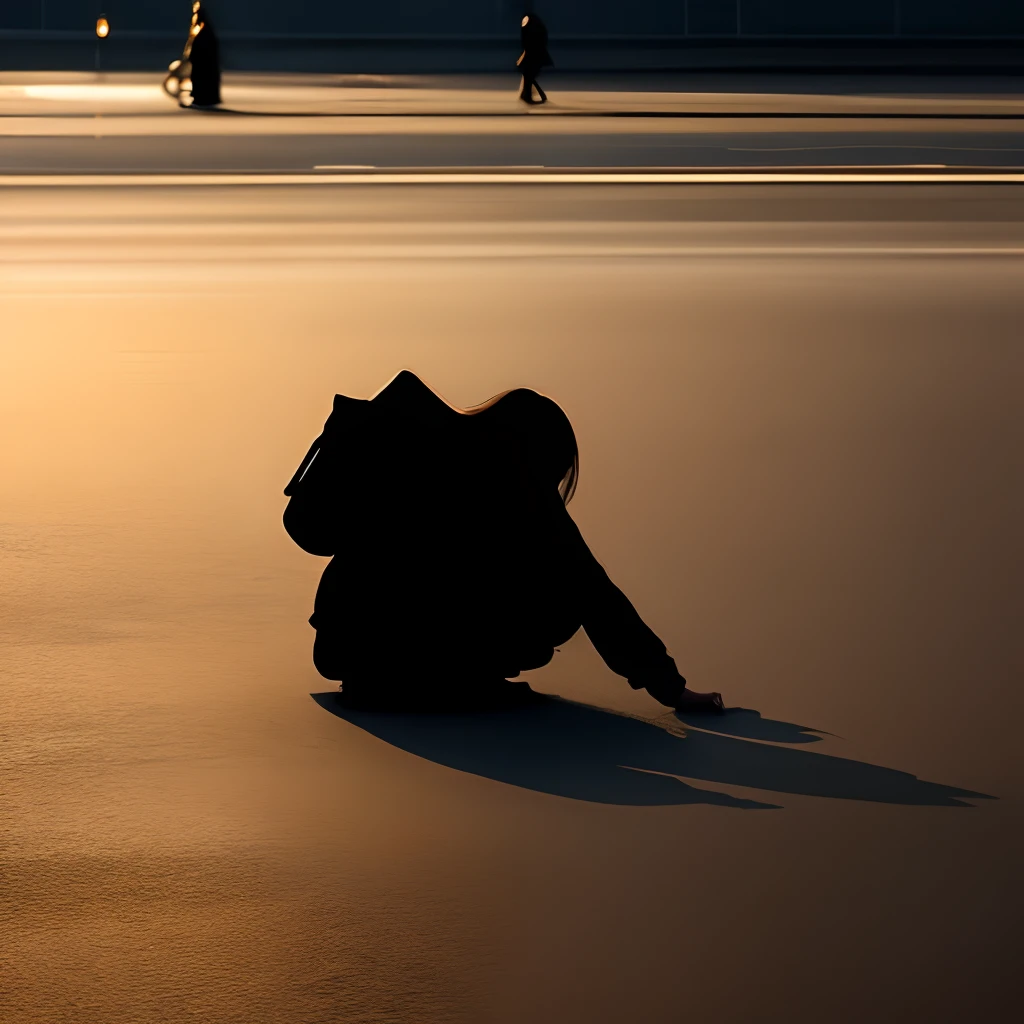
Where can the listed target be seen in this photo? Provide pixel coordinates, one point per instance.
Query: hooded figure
(534, 39)
(454, 562)
(203, 51)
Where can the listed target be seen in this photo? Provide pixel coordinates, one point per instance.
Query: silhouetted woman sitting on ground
(455, 564)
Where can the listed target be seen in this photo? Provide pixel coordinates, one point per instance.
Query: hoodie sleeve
(627, 644)
(317, 489)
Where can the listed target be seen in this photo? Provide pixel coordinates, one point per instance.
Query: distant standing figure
(455, 564)
(203, 50)
(534, 35)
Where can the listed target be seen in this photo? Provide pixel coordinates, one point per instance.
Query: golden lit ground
(800, 429)
(49, 93)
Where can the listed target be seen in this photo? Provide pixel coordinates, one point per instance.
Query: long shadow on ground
(586, 753)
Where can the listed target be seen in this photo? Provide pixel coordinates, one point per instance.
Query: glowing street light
(102, 31)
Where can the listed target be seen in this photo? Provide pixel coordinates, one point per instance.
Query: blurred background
(476, 35)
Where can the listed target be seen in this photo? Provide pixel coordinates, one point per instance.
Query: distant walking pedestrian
(203, 50)
(194, 79)
(534, 35)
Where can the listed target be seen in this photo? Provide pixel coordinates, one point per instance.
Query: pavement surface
(27, 93)
(124, 124)
(798, 409)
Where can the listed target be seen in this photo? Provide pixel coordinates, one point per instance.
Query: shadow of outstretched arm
(587, 753)
(749, 725)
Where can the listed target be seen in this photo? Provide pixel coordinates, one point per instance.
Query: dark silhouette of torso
(205, 57)
(452, 559)
(534, 41)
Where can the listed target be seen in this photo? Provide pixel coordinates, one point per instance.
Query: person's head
(545, 432)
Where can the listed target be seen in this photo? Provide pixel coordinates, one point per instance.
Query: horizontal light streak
(507, 178)
(20, 266)
(447, 169)
(86, 92)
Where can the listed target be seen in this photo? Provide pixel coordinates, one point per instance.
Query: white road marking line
(895, 144)
(504, 168)
(505, 178)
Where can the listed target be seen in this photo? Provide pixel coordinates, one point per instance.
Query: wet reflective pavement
(799, 420)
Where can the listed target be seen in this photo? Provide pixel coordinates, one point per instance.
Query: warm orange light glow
(102, 28)
(526, 21)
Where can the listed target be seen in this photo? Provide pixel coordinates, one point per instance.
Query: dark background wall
(449, 19)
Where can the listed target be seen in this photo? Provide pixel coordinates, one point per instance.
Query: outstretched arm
(627, 644)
